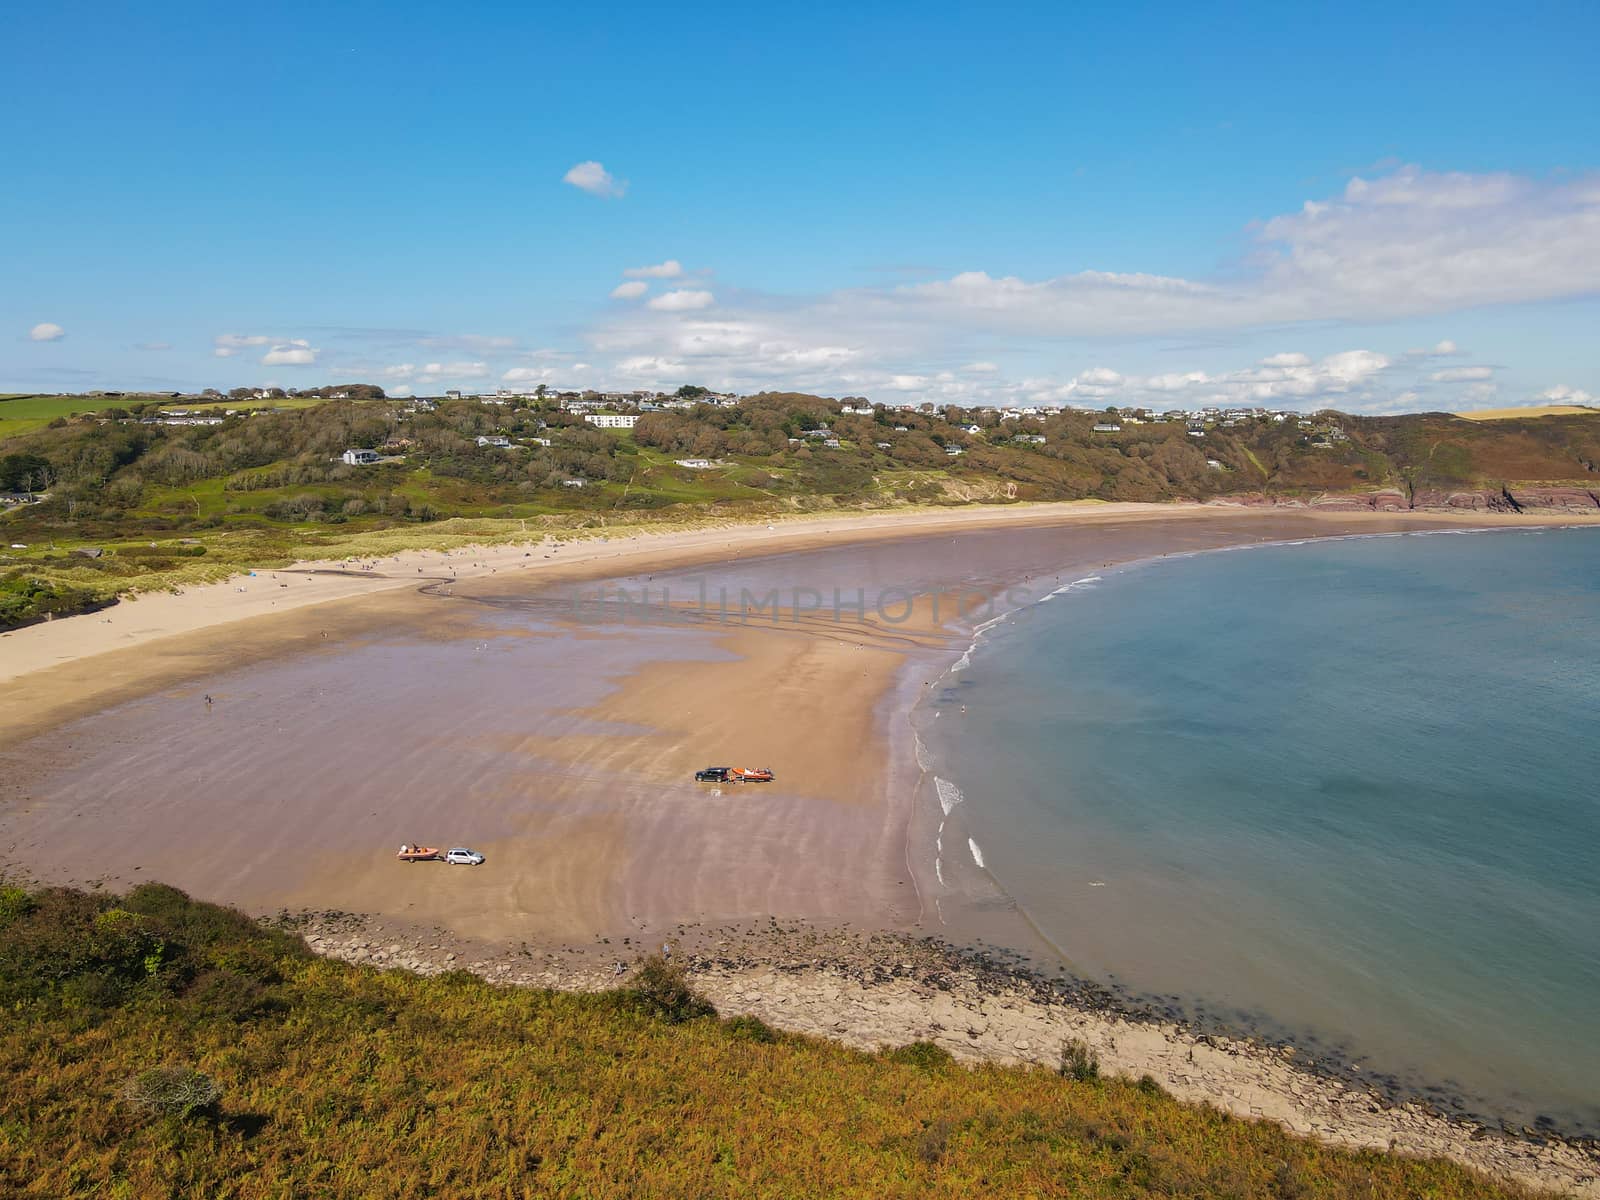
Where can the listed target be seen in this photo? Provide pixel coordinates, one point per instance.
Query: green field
(22, 414)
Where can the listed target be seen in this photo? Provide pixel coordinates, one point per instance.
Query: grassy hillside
(172, 504)
(322, 1079)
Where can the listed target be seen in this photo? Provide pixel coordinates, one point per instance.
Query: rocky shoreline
(872, 990)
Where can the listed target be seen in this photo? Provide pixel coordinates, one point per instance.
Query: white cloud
(647, 367)
(1100, 377)
(1562, 394)
(1406, 244)
(399, 392)
(226, 345)
(435, 371)
(47, 331)
(670, 269)
(629, 291)
(296, 352)
(1462, 374)
(682, 300)
(593, 178)
(399, 371)
(1410, 243)
(467, 341)
(532, 374)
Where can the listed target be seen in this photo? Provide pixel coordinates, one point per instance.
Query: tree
(24, 473)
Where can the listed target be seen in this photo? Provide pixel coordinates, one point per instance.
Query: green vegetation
(154, 1046)
(266, 485)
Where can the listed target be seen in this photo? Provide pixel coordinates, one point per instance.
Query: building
(1104, 427)
(696, 464)
(612, 420)
(497, 440)
(359, 458)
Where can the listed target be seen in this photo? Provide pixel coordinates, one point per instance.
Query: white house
(696, 464)
(612, 420)
(494, 439)
(359, 458)
(1107, 428)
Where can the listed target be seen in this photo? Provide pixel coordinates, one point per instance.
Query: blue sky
(1374, 207)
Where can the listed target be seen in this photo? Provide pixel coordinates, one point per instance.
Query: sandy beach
(272, 746)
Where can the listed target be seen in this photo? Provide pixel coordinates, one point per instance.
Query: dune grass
(334, 1080)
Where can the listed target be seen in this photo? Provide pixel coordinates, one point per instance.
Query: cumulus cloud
(670, 269)
(531, 374)
(1410, 243)
(1406, 244)
(226, 345)
(1562, 394)
(1100, 377)
(593, 178)
(1444, 349)
(46, 331)
(1462, 374)
(629, 291)
(479, 342)
(682, 300)
(399, 371)
(297, 352)
(435, 371)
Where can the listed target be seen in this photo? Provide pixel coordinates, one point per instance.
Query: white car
(462, 857)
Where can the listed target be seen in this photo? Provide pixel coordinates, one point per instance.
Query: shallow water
(1345, 789)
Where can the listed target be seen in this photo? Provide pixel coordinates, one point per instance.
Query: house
(952, 451)
(884, 445)
(574, 483)
(696, 464)
(539, 441)
(497, 440)
(1106, 427)
(359, 458)
(1032, 439)
(612, 420)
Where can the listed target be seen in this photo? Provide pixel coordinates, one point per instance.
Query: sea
(1344, 792)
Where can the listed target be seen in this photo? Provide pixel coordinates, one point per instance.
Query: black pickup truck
(714, 775)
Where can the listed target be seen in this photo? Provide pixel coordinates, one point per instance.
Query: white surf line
(977, 855)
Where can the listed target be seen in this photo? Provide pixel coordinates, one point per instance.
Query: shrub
(750, 1029)
(927, 1055)
(662, 989)
(14, 903)
(1078, 1061)
(173, 1091)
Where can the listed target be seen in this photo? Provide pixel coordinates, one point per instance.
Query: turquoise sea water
(1349, 790)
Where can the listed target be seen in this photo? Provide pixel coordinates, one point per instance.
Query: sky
(1372, 207)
